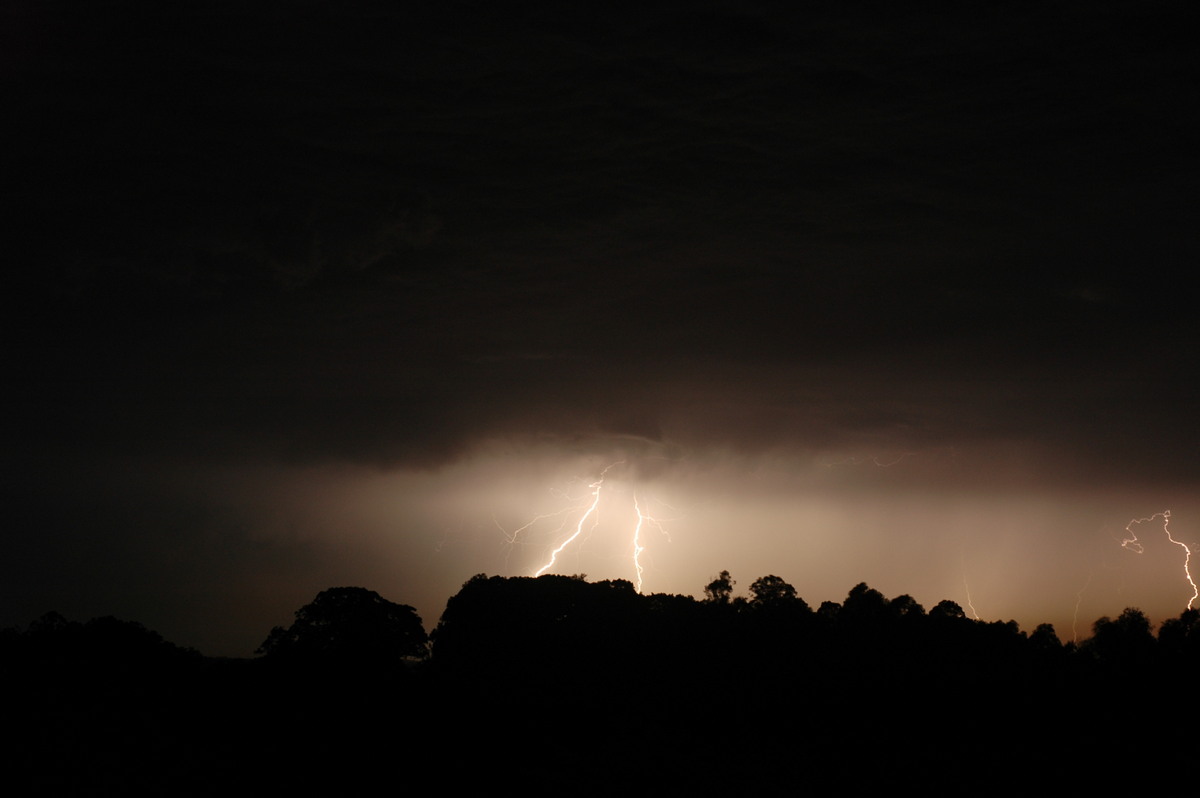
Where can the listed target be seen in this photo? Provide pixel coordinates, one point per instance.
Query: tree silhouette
(828, 612)
(349, 624)
(1126, 642)
(864, 605)
(719, 590)
(771, 590)
(906, 606)
(1044, 638)
(1180, 637)
(947, 609)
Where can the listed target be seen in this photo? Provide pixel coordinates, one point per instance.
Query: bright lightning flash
(596, 487)
(588, 507)
(1133, 544)
(638, 548)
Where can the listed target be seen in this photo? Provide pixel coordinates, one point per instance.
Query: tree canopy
(720, 589)
(349, 624)
(771, 590)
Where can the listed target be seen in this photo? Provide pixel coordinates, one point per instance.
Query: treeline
(557, 680)
(511, 622)
(498, 621)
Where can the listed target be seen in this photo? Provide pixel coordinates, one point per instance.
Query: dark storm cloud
(384, 236)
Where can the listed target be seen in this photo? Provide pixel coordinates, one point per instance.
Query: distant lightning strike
(512, 537)
(1133, 544)
(970, 603)
(962, 560)
(589, 508)
(596, 487)
(638, 548)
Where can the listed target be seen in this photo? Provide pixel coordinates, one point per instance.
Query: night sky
(309, 294)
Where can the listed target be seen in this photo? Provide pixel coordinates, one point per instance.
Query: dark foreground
(556, 685)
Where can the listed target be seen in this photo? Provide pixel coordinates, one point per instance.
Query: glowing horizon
(1018, 553)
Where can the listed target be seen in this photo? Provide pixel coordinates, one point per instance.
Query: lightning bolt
(638, 548)
(643, 519)
(585, 511)
(970, 604)
(596, 487)
(1133, 544)
(511, 538)
(962, 560)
